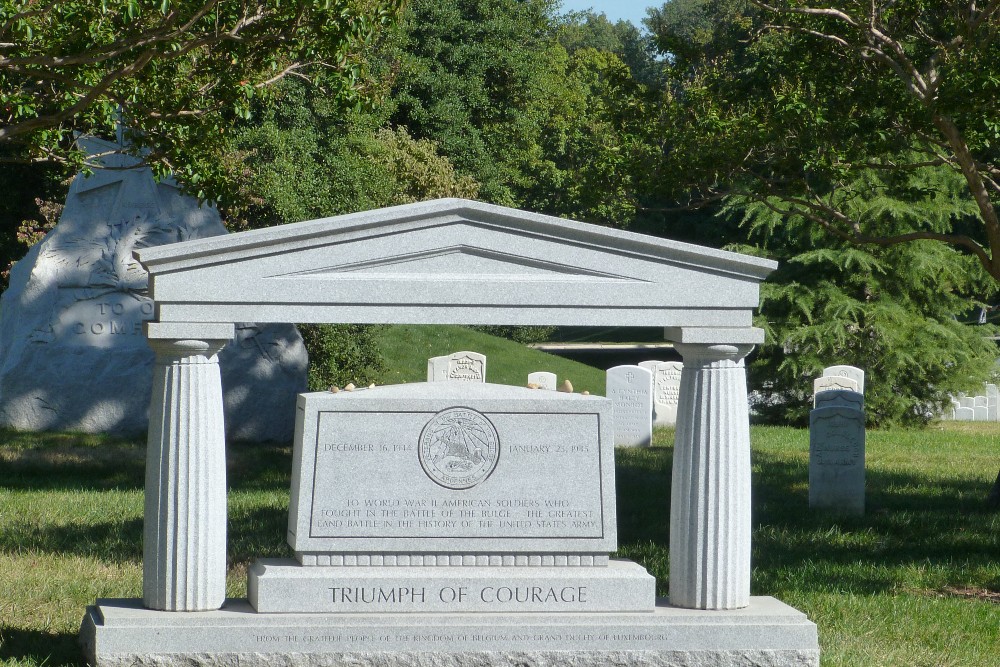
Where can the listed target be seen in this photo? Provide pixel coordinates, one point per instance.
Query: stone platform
(281, 585)
(768, 633)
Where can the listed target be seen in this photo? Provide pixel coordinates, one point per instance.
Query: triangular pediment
(452, 261)
(458, 262)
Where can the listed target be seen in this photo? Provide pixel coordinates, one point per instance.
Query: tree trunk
(993, 499)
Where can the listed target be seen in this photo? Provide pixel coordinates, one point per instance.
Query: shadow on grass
(34, 647)
(912, 520)
(258, 476)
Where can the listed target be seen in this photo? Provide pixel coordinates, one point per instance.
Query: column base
(768, 633)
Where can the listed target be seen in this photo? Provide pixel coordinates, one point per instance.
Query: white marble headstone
(833, 383)
(964, 414)
(630, 389)
(461, 366)
(837, 459)
(544, 380)
(993, 403)
(850, 372)
(666, 391)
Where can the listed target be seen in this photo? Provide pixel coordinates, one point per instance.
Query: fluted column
(710, 492)
(184, 536)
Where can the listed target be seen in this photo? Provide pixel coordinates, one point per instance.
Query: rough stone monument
(443, 262)
(630, 390)
(837, 459)
(461, 366)
(73, 355)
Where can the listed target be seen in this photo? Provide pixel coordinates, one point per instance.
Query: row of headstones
(641, 395)
(837, 441)
(975, 408)
(471, 367)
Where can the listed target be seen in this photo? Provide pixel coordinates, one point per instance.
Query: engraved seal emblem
(458, 448)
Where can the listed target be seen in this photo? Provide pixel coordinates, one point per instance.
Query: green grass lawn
(916, 581)
(406, 349)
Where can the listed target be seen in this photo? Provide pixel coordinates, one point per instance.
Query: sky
(630, 10)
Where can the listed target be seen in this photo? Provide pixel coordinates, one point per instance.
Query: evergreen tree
(895, 311)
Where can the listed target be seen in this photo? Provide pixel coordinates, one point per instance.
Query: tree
(587, 29)
(891, 310)
(818, 94)
(869, 129)
(537, 127)
(179, 71)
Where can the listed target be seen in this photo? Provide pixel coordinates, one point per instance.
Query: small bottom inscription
(457, 637)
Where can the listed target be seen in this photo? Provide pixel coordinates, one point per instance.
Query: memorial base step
(282, 585)
(768, 633)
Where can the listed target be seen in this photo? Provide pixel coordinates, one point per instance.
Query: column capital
(715, 335)
(189, 330)
(167, 349)
(707, 353)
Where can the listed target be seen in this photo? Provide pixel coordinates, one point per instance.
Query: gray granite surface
(454, 261)
(72, 351)
(768, 632)
(837, 459)
(453, 467)
(283, 585)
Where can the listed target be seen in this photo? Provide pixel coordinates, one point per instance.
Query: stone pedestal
(710, 493)
(184, 536)
(767, 633)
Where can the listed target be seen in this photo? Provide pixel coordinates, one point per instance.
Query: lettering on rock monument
(104, 298)
(73, 354)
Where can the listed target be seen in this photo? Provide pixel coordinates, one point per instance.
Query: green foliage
(301, 172)
(595, 145)
(341, 354)
(792, 101)
(588, 30)
(536, 126)
(469, 72)
(891, 311)
(519, 334)
(182, 71)
(32, 202)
